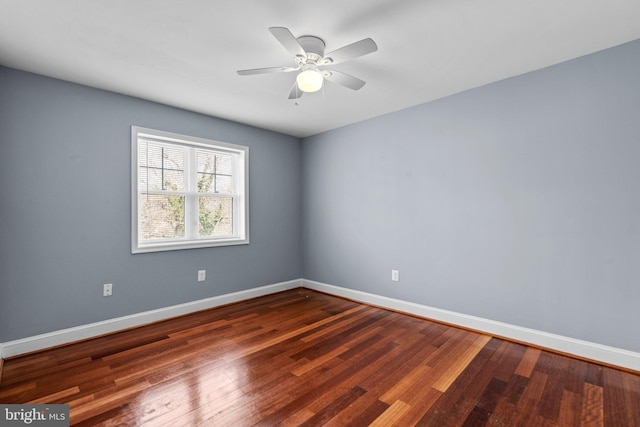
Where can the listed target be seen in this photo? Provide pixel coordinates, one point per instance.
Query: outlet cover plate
(202, 275)
(107, 289)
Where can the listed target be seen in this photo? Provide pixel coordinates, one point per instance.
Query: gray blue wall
(65, 209)
(518, 201)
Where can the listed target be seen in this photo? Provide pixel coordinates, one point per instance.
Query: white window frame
(191, 240)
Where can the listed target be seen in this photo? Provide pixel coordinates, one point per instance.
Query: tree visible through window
(189, 192)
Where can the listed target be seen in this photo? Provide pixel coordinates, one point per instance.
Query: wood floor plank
(455, 405)
(504, 414)
(631, 391)
(483, 409)
(377, 380)
(516, 385)
(534, 390)
(549, 407)
(17, 392)
(525, 367)
(570, 409)
(508, 361)
(416, 376)
(494, 363)
(592, 406)
(298, 418)
(335, 407)
(274, 403)
(393, 413)
(392, 369)
(59, 396)
(306, 397)
(456, 368)
(331, 329)
(118, 416)
(621, 396)
(102, 402)
(365, 418)
(306, 358)
(420, 401)
(318, 361)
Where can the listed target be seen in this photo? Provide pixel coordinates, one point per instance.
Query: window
(187, 192)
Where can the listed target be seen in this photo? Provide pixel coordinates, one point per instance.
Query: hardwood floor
(306, 358)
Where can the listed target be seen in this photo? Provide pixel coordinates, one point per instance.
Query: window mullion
(191, 198)
(234, 200)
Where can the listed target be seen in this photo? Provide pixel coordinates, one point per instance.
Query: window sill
(176, 246)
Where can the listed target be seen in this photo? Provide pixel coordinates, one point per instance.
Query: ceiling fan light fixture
(309, 80)
(308, 54)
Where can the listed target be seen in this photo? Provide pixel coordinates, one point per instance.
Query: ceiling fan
(308, 53)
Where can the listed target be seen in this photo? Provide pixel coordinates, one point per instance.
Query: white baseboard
(66, 336)
(583, 349)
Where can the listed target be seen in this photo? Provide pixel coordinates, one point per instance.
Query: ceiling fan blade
(345, 80)
(354, 50)
(295, 92)
(288, 40)
(267, 70)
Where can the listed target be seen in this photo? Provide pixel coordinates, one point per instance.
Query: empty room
(319, 213)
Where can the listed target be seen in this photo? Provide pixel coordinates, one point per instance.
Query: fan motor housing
(313, 46)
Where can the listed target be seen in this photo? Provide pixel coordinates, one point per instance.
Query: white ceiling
(185, 53)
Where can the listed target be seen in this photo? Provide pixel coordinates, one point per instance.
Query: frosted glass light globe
(309, 80)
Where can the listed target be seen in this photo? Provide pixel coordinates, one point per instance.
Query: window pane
(161, 216)
(161, 166)
(224, 164)
(223, 184)
(214, 172)
(215, 216)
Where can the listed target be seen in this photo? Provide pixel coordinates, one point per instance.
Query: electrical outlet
(107, 289)
(202, 275)
(395, 275)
